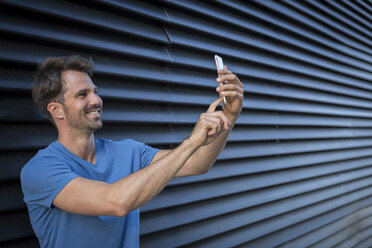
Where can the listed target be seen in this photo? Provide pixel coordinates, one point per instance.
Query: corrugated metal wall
(296, 170)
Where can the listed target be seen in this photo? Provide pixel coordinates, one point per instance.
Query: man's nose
(95, 99)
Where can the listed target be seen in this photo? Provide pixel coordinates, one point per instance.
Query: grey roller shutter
(296, 170)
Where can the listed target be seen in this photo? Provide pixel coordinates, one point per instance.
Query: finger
(228, 77)
(225, 120)
(214, 105)
(212, 128)
(229, 87)
(211, 133)
(214, 131)
(224, 71)
(214, 120)
(222, 118)
(231, 94)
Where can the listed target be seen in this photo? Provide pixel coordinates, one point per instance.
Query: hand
(209, 125)
(233, 91)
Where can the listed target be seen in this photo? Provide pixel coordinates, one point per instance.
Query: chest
(110, 165)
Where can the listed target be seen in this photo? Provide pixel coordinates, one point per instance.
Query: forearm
(138, 188)
(204, 158)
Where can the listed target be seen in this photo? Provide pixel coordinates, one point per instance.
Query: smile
(96, 113)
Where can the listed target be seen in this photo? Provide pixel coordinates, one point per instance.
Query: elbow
(121, 213)
(203, 170)
(119, 210)
(122, 207)
(117, 205)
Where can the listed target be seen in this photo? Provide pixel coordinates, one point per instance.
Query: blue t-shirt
(48, 172)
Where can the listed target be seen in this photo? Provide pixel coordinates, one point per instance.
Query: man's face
(82, 105)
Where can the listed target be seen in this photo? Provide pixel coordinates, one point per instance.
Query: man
(85, 192)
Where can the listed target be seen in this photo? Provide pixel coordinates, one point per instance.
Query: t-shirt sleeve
(147, 154)
(42, 180)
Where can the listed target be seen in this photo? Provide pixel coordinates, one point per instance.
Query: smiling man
(85, 192)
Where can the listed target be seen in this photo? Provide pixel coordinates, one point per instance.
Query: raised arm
(203, 159)
(90, 197)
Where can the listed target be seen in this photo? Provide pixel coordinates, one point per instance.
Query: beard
(84, 121)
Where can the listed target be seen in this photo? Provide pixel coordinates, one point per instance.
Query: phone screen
(219, 62)
(219, 65)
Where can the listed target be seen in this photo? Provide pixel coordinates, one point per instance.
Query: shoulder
(43, 162)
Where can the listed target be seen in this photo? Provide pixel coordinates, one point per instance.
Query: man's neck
(81, 145)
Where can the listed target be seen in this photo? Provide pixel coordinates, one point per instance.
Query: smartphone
(219, 65)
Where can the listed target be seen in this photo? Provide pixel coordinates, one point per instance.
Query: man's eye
(83, 95)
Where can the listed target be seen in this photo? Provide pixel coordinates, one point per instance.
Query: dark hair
(48, 84)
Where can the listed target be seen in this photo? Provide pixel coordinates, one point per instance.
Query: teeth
(94, 113)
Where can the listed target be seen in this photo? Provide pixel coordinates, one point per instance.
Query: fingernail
(218, 89)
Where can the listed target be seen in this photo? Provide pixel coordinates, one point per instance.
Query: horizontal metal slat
(24, 109)
(11, 196)
(12, 136)
(170, 218)
(265, 103)
(299, 229)
(289, 105)
(259, 149)
(238, 236)
(342, 24)
(190, 92)
(230, 168)
(137, 7)
(185, 115)
(240, 133)
(335, 228)
(81, 38)
(364, 243)
(164, 93)
(293, 133)
(349, 48)
(31, 242)
(361, 8)
(11, 141)
(14, 80)
(251, 75)
(238, 221)
(178, 114)
(11, 164)
(261, 117)
(216, 46)
(121, 90)
(250, 41)
(21, 137)
(228, 186)
(355, 236)
(30, 55)
(358, 21)
(11, 229)
(332, 51)
(286, 91)
(81, 14)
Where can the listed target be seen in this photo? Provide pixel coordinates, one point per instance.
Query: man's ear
(56, 110)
